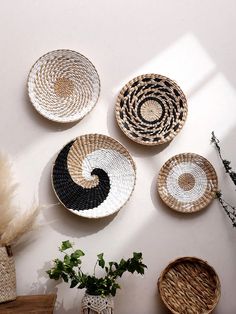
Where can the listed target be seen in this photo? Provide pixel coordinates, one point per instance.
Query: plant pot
(96, 304)
(7, 275)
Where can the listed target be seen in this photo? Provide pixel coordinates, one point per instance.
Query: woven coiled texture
(95, 304)
(187, 182)
(7, 276)
(189, 286)
(93, 176)
(63, 86)
(151, 109)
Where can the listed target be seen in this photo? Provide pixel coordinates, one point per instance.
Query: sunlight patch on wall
(185, 61)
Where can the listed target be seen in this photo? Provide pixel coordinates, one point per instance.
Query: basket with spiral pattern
(93, 176)
(7, 275)
(189, 285)
(63, 86)
(187, 182)
(151, 109)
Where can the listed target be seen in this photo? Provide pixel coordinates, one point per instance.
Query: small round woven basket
(151, 109)
(187, 182)
(7, 276)
(63, 85)
(93, 176)
(189, 285)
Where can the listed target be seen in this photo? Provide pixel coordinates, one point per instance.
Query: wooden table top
(30, 304)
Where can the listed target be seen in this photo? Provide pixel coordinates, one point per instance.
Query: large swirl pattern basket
(151, 109)
(187, 182)
(189, 285)
(93, 176)
(63, 86)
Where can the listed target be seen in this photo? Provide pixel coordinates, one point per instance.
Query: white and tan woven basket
(63, 85)
(7, 275)
(93, 176)
(187, 182)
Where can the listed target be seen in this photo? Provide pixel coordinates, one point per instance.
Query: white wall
(192, 42)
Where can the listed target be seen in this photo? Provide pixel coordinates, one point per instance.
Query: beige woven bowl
(63, 86)
(151, 109)
(187, 182)
(93, 176)
(189, 285)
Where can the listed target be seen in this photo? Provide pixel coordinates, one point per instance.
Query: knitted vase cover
(95, 304)
(63, 85)
(93, 176)
(7, 276)
(151, 109)
(187, 182)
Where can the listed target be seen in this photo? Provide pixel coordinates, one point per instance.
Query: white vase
(7, 275)
(96, 304)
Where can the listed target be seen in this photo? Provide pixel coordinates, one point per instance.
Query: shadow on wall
(61, 219)
(44, 285)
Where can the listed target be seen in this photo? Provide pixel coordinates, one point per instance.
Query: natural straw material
(93, 176)
(151, 109)
(7, 276)
(189, 285)
(63, 86)
(187, 182)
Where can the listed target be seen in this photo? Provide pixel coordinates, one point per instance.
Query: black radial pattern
(151, 109)
(72, 195)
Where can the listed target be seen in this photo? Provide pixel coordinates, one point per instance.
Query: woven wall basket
(187, 182)
(7, 276)
(93, 176)
(63, 86)
(151, 109)
(189, 286)
(96, 304)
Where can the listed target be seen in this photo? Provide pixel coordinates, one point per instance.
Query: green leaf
(101, 261)
(65, 245)
(74, 283)
(78, 254)
(137, 256)
(64, 277)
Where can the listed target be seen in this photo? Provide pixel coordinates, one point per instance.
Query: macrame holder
(96, 304)
(7, 275)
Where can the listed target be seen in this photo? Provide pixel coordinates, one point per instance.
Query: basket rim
(131, 161)
(77, 119)
(159, 186)
(189, 259)
(120, 95)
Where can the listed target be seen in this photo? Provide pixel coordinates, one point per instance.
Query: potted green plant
(100, 291)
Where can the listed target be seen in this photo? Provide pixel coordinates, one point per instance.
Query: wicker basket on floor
(7, 276)
(189, 285)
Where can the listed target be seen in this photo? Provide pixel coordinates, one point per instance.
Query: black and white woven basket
(93, 176)
(151, 109)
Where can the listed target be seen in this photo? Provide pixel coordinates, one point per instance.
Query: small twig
(226, 206)
(226, 163)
